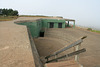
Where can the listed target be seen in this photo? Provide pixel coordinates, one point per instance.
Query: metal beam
(68, 55)
(72, 45)
(65, 48)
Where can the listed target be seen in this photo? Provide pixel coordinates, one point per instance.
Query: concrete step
(70, 63)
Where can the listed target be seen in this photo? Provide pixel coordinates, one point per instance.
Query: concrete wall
(34, 27)
(55, 21)
(36, 56)
(40, 25)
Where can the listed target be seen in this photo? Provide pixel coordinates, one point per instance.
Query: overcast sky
(85, 12)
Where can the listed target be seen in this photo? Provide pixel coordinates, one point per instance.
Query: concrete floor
(58, 38)
(91, 58)
(15, 49)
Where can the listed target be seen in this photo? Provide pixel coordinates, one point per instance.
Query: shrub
(89, 29)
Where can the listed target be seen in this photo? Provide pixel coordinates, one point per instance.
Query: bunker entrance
(41, 34)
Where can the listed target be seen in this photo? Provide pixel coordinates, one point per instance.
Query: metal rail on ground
(68, 55)
(76, 43)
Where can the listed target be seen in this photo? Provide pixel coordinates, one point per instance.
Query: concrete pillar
(68, 24)
(74, 24)
(77, 56)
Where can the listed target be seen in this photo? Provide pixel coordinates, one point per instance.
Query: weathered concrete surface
(91, 58)
(34, 18)
(70, 63)
(15, 48)
(46, 46)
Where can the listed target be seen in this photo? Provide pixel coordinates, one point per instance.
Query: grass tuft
(90, 29)
(97, 31)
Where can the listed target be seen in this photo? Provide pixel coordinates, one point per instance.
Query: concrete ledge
(37, 61)
(15, 48)
(69, 63)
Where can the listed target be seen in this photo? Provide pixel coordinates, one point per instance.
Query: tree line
(8, 12)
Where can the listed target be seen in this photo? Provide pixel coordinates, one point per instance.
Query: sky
(85, 12)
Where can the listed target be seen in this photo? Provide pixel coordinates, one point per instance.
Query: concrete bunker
(38, 28)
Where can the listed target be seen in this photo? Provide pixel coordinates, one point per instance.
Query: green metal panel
(40, 25)
(56, 21)
(55, 25)
(34, 28)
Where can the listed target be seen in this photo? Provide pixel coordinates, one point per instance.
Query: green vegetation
(90, 29)
(8, 12)
(8, 18)
(97, 31)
